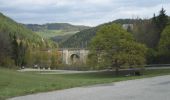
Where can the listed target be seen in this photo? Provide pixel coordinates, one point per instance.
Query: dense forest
(18, 43)
(80, 39)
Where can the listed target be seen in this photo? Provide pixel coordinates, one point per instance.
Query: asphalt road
(156, 88)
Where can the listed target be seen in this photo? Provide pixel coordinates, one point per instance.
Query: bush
(7, 62)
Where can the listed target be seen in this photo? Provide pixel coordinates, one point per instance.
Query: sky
(80, 12)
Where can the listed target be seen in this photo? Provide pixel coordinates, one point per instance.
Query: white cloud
(87, 12)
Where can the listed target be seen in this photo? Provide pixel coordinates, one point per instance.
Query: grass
(13, 83)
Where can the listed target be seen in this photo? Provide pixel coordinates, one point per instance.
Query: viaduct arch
(74, 56)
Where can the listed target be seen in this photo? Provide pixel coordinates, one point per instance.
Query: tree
(15, 49)
(54, 58)
(19, 50)
(115, 47)
(145, 32)
(162, 19)
(5, 51)
(148, 31)
(22, 53)
(43, 58)
(164, 46)
(30, 56)
(159, 22)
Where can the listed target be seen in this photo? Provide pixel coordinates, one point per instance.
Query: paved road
(156, 88)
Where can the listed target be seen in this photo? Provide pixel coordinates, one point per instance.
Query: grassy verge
(13, 83)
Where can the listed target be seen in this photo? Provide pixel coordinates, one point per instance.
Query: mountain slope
(82, 38)
(56, 31)
(11, 28)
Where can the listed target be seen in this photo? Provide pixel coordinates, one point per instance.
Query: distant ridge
(56, 26)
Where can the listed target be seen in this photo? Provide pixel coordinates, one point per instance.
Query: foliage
(116, 47)
(145, 32)
(7, 62)
(124, 21)
(10, 27)
(159, 23)
(164, 46)
(18, 52)
(5, 49)
(55, 59)
(80, 39)
(15, 39)
(161, 20)
(30, 57)
(148, 31)
(151, 56)
(42, 58)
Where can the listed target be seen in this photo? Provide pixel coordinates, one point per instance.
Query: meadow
(14, 83)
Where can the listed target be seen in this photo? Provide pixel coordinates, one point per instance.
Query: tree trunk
(117, 71)
(116, 65)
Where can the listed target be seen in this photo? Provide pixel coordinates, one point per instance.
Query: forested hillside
(16, 42)
(11, 28)
(82, 38)
(143, 30)
(56, 31)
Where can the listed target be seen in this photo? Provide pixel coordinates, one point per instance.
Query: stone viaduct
(74, 56)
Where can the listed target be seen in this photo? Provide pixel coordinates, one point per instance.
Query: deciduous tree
(114, 47)
(164, 46)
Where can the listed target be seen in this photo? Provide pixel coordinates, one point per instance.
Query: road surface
(156, 88)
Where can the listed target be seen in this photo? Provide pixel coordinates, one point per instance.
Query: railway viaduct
(74, 56)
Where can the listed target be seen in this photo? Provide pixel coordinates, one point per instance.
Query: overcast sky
(81, 12)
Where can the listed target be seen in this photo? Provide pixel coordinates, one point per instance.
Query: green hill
(82, 38)
(56, 26)
(56, 31)
(143, 30)
(10, 28)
